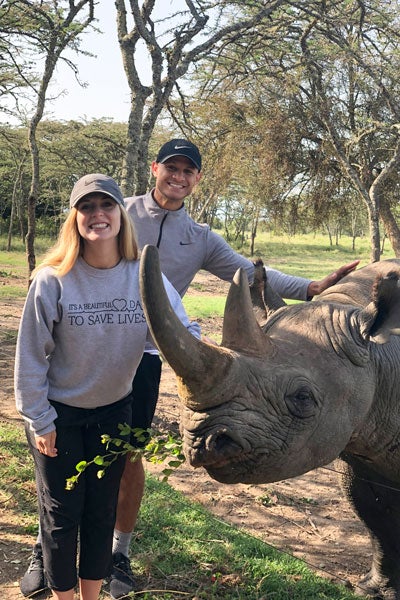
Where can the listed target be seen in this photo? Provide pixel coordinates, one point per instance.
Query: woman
(81, 337)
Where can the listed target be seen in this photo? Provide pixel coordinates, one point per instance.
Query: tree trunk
(34, 190)
(10, 226)
(130, 163)
(31, 233)
(383, 244)
(328, 229)
(391, 227)
(373, 219)
(14, 199)
(254, 231)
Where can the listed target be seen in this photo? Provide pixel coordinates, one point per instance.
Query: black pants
(145, 388)
(90, 508)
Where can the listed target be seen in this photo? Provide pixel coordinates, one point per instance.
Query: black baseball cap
(180, 147)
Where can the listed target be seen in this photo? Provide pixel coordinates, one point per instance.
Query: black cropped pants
(87, 511)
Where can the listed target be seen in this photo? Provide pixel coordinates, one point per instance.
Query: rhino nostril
(217, 448)
(220, 442)
(223, 440)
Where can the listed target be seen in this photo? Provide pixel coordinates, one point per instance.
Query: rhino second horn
(241, 331)
(200, 367)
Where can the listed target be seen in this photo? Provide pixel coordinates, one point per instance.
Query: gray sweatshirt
(186, 247)
(81, 338)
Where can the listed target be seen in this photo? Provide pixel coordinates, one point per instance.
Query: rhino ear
(264, 299)
(381, 318)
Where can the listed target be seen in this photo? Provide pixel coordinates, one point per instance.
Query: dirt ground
(306, 516)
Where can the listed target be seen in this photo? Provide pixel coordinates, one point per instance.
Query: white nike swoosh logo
(179, 147)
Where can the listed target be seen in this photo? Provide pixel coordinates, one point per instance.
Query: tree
(43, 31)
(67, 151)
(175, 44)
(250, 144)
(71, 149)
(332, 68)
(354, 35)
(14, 154)
(11, 78)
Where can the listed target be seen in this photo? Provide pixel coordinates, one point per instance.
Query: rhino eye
(301, 403)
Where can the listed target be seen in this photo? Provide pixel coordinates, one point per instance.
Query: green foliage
(67, 151)
(158, 448)
(301, 123)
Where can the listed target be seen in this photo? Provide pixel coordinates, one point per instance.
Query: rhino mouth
(241, 469)
(229, 473)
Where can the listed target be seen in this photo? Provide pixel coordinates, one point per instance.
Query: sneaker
(34, 581)
(121, 581)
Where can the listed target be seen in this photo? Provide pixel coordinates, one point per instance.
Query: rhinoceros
(296, 388)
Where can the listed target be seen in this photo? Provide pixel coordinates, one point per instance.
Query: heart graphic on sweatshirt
(119, 304)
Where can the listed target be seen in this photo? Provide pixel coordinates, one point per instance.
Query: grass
(17, 489)
(204, 306)
(311, 255)
(308, 256)
(12, 291)
(180, 549)
(213, 560)
(14, 267)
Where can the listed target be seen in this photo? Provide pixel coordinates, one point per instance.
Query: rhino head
(277, 400)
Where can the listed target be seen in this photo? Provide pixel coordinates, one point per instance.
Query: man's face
(175, 179)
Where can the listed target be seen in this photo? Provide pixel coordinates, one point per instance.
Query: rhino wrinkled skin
(293, 387)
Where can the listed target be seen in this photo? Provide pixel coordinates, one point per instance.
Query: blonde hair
(69, 246)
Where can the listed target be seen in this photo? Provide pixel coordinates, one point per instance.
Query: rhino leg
(377, 502)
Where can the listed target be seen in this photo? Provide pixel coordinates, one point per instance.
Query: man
(185, 247)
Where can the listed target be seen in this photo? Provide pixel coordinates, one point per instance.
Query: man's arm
(223, 262)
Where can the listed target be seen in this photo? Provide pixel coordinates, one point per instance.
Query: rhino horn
(201, 367)
(241, 331)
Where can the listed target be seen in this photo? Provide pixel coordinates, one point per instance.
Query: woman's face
(98, 218)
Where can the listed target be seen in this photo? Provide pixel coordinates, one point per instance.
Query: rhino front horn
(200, 367)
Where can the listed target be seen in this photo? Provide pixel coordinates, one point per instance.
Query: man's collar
(163, 207)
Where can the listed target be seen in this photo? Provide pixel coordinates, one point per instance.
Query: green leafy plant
(158, 448)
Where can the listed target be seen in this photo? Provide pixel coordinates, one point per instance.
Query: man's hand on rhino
(204, 338)
(316, 287)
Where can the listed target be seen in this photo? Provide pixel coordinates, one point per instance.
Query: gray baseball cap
(95, 183)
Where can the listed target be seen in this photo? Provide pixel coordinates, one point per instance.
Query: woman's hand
(46, 444)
